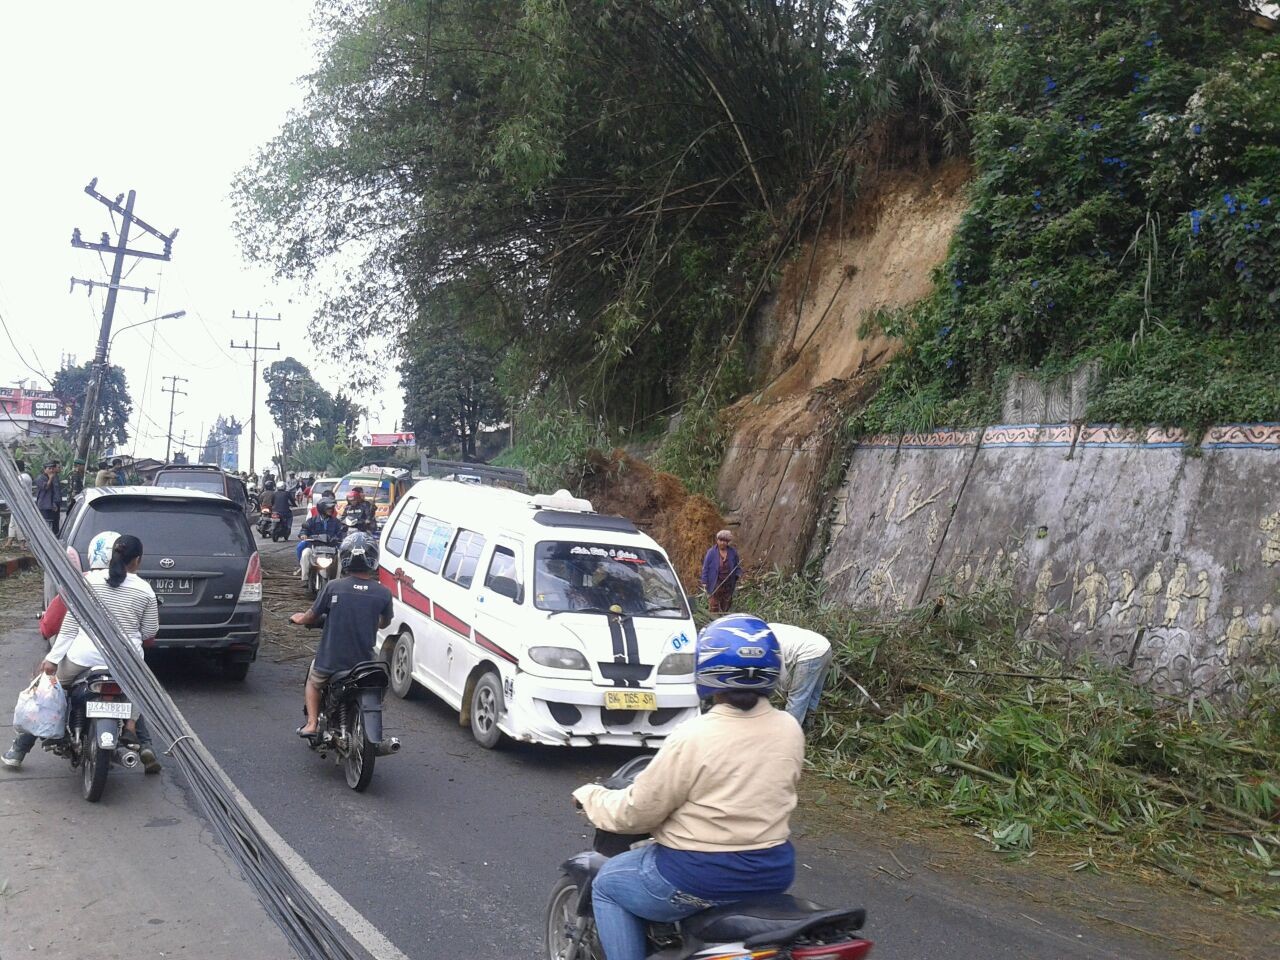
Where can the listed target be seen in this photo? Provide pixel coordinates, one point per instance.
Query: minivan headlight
(562, 658)
(676, 665)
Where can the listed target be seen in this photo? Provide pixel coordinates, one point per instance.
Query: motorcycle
(324, 559)
(776, 926)
(350, 723)
(96, 711)
(264, 522)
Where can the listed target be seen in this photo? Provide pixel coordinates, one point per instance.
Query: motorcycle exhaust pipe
(128, 759)
(387, 747)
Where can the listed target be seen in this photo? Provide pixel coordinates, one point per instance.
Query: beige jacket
(723, 781)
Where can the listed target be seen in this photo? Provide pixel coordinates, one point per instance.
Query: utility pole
(253, 393)
(173, 392)
(121, 250)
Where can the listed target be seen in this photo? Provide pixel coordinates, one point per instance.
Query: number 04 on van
(535, 617)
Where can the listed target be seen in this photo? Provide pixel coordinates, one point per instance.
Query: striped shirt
(132, 605)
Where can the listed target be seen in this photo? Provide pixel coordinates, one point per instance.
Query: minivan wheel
(401, 664)
(486, 710)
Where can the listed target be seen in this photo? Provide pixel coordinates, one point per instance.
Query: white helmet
(100, 549)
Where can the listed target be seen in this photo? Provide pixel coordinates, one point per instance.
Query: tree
(115, 407)
(449, 386)
(297, 403)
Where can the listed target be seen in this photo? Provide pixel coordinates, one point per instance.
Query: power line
(253, 395)
(174, 393)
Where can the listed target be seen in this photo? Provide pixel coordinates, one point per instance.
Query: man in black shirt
(352, 609)
(282, 503)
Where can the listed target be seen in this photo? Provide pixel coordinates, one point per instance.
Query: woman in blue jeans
(717, 798)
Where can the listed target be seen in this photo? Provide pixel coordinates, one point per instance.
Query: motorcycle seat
(370, 673)
(767, 920)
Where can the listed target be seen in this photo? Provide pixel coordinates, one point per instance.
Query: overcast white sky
(169, 99)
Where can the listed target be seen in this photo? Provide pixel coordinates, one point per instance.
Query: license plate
(118, 710)
(630, 700)
(171, 585)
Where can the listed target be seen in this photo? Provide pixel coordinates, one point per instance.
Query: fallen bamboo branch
(1186, 875)
(1264, 825)
(961, 765)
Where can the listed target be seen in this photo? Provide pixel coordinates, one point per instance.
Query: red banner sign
(391, 440)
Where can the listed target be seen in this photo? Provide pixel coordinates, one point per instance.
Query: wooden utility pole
(121, 250)
(173, 392)
(253, 391)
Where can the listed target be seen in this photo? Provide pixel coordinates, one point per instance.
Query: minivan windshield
(209, 482)
(179, 528)
(592, 577)
(375, 489)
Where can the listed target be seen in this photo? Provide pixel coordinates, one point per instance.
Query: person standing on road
(717, 798)
(721, 568)
(49, 494)
(118, 466)
(114, 561)
(105, 477)
(24, 482)
(806, 659)
(352, 610)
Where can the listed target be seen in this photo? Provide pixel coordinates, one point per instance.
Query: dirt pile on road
(684, 523)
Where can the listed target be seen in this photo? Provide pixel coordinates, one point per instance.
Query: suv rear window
(193, 480)
(182, 528)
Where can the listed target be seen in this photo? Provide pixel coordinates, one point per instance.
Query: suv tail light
(251, 592)
(845, 950)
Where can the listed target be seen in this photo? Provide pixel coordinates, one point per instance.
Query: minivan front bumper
(572, 713)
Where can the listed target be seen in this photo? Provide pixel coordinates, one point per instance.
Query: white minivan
(536, 617)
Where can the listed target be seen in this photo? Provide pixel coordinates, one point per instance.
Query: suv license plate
(117, 710)
(171, 585)
(630, 700)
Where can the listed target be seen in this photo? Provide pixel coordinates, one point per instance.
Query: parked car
(206, 477)
(385, 486)
(199, 558)
(535, 617)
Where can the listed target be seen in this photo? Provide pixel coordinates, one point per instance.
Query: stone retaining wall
(1132, 546)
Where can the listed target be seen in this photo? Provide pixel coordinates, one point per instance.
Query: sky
(171, 100)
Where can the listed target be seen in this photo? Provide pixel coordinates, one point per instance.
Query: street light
(176, 315)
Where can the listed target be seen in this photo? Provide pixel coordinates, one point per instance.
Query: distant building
(30, 413)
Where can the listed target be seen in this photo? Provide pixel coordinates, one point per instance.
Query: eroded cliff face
(815, 365)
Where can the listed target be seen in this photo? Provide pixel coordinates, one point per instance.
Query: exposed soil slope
(878, 255)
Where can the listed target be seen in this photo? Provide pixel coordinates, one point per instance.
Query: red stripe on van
(453, 623)
(493, 647)
(388, 580)
(418, 601)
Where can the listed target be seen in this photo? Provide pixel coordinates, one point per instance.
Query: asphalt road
(452, 850)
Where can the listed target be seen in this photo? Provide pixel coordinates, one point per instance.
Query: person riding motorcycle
(717, 798)
(364, 510)
(325, 525)
(114, 560)
(353, 609)
(281, 504)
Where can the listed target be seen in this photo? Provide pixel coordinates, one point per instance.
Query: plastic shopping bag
(42, 708)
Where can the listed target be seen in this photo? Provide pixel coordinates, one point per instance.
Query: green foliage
(302, 409)
(115, 407)
(322, 459)
(953, 710)
(553, 436)
(1126, 159)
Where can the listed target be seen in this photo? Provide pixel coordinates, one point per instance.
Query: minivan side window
(399, 531)
(461, 566)
(428, 543)
(503, 566)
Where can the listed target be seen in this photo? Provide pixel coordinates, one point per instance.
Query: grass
(954, 710)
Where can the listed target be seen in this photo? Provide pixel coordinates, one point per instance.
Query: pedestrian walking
(721, 568)
(24, 481)
(49, 494)
(806, 660)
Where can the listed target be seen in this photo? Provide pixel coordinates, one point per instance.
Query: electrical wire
(311, 929)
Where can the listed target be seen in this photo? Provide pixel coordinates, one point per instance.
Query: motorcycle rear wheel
(562, 921)
(358, 763)
(94, 765)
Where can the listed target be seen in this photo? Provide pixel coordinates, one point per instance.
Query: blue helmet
(737, 652)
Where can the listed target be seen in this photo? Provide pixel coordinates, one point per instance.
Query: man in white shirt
(806, 659)
(24, 480)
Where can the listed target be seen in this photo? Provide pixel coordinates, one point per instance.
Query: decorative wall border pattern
(1231, 436)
